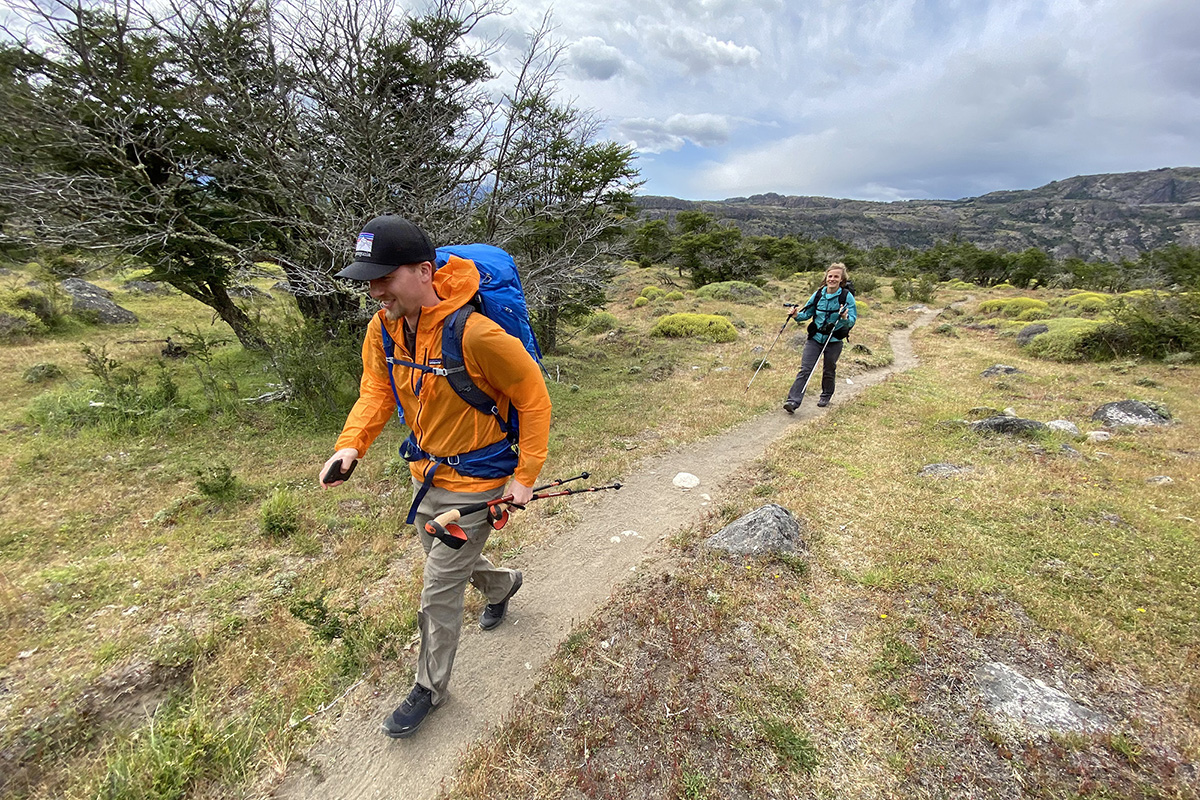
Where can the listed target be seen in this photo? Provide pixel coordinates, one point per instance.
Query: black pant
(808, 360)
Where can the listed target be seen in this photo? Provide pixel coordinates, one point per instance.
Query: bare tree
(559, 194)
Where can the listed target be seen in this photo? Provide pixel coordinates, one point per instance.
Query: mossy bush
(1012, 306)
(42, 372)
(1031, 314)
(1068, 339)
(732, 291)
(709, 327)
(675, 295)
(1087, 302)
(865, 284)
(641, 302)
(599, 322)
(652, 293)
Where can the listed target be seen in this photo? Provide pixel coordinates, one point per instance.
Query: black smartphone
(334, 473)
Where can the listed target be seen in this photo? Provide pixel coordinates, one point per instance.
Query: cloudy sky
(882, 99)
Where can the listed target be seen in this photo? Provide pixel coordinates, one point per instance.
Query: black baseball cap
(385, 243)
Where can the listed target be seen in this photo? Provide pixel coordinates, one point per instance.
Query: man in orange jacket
(398, 260)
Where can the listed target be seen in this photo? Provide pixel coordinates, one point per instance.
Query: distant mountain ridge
(1107, 217)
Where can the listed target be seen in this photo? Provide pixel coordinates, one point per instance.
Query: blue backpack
(501, 299)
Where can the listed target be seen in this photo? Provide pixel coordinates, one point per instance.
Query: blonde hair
(842, 267)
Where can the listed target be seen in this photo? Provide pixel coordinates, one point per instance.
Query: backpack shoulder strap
(454, 363)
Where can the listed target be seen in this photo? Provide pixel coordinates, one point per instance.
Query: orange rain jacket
(443, 423)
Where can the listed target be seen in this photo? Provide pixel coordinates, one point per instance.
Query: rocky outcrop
(89, 300)
(1108, 217)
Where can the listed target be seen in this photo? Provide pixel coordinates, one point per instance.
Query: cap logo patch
(365, 243)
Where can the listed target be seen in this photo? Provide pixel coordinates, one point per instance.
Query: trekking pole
(793, 307)
(443, 527)
(581, 476)
(821, 355)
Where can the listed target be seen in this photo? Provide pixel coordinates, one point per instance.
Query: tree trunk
(335, 306)
(547, 328)
(213, 295)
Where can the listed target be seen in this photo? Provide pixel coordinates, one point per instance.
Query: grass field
(178, 595)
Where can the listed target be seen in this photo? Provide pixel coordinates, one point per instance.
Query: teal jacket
(822, 308)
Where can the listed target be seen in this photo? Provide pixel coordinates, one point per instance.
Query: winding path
(570, 580)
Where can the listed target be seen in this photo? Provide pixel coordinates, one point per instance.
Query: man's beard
(392, 312)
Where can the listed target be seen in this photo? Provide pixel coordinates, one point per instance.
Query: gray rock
(12, 324)
(1067, 450)
(282, 286)
(146, 287)
(97, 302)
(999, 369)
(1032, 704)
(1098, 436)
(942, 470)
(1063, 426)
(768, 529)
(1009, 425)
(1159, 480)
(1009, 412)
(1131, 412)
(1026, 334)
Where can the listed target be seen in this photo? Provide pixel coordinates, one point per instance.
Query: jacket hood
(456, 283)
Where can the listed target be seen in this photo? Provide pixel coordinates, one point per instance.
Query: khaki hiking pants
(447, 572)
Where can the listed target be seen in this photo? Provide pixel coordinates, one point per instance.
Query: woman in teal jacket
(833, 313)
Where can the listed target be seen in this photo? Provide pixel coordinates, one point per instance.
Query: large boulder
(768, 529)
(1131, 412)
(96, 302)
(1010, 425)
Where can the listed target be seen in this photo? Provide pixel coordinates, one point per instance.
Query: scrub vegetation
(179, 598)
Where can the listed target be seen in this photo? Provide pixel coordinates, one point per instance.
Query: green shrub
(318, 364)
(675, 295)
(1012, 306)
(1068, 339)
(865, 284)
(279, 515)
(1087, 302)
(902, 288)
(652, 293)
(925, 288)
(40, 373)
(217, 482)
(709, 327)
(599, 322)
(640, 302)
(1031, 314)
(732, 291)
(1005, 285)
(1152, 325)
(17, 322)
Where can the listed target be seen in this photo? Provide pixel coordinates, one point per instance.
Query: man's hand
(521, 494)
(346, 456)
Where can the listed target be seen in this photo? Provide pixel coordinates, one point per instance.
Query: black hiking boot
(494, 612)
(404, 721)
(790, 406)
(824, 401)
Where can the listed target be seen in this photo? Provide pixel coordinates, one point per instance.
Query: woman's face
(833, 278)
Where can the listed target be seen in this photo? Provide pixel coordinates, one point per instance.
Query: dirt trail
(564, 585)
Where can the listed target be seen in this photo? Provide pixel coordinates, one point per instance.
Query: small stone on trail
(686, 480)
(1038, 707)
(1160, 479)
(1099, 436)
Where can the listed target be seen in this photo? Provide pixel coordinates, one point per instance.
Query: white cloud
(701, 52)
(887, 98)
(592, 58)
(660, 136)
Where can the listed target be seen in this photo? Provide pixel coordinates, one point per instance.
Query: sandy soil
(564, 585)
